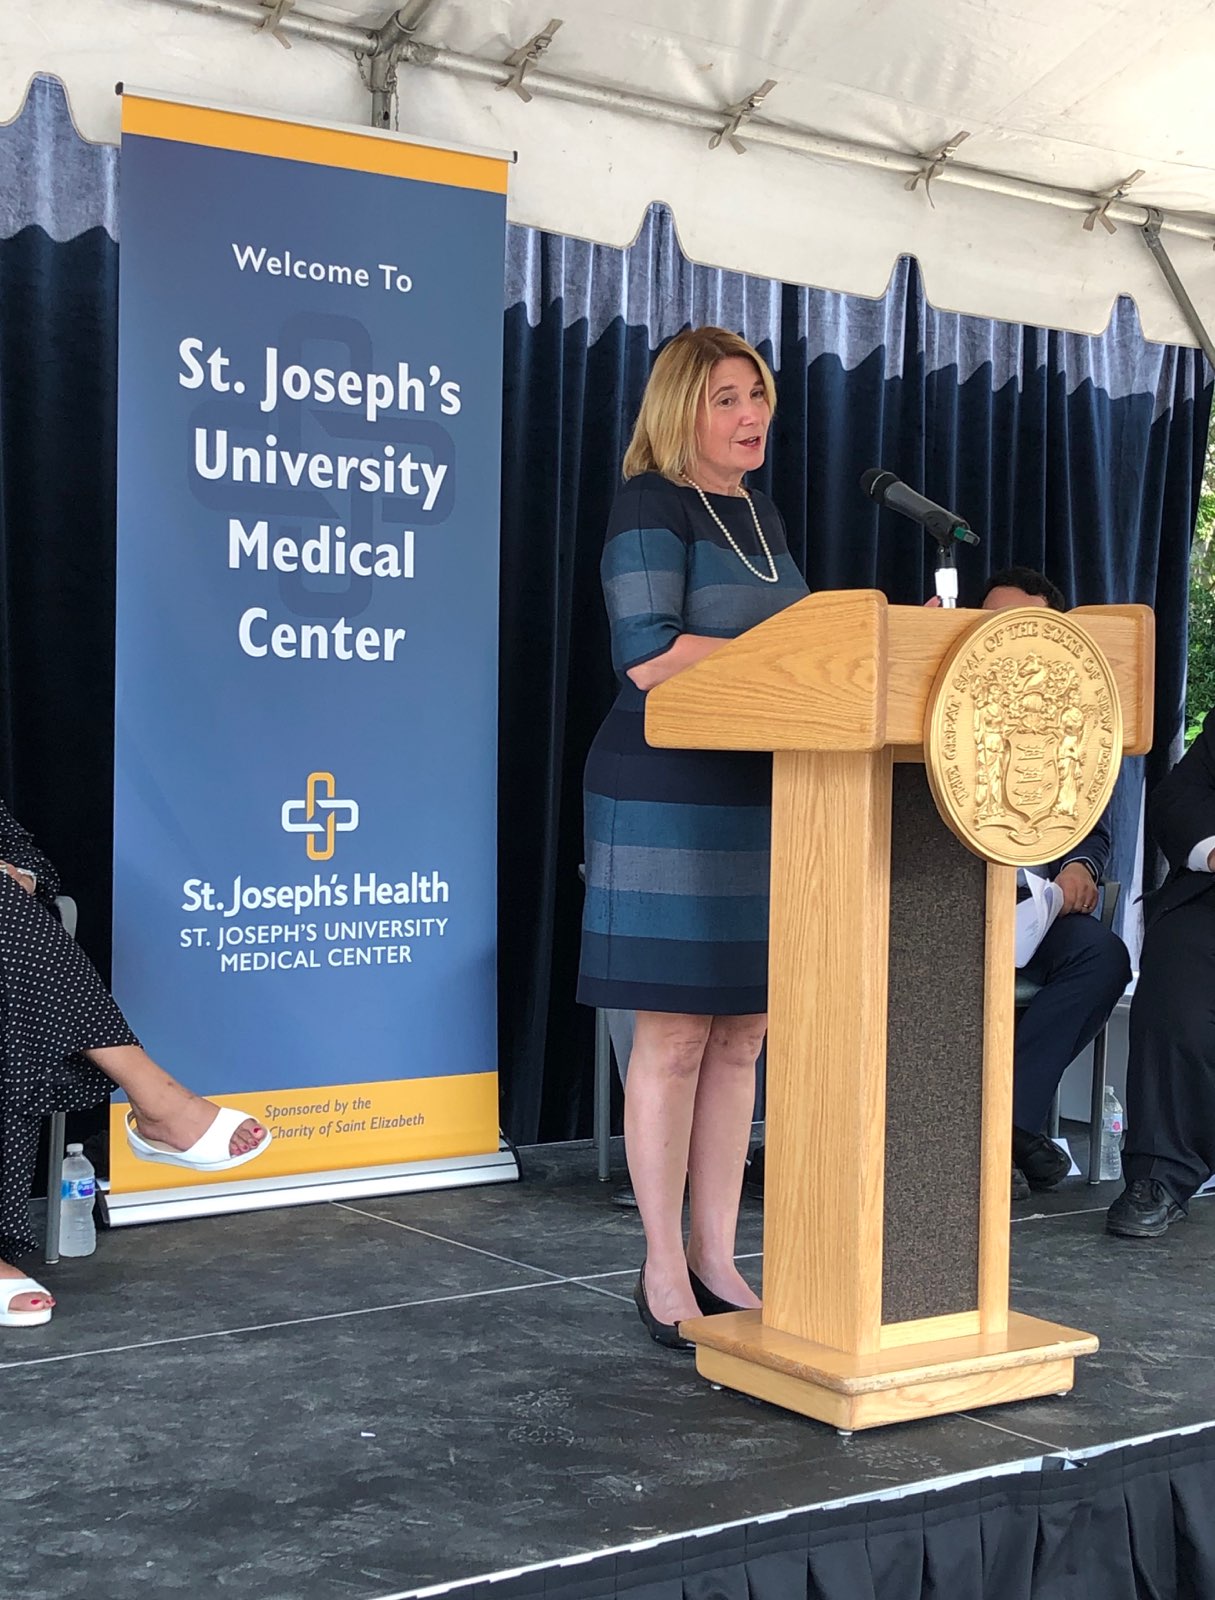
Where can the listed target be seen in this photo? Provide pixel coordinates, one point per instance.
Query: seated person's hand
(1079, 890)
(25, 879)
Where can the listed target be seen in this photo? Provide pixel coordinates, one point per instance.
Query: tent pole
(1151, 237)
(575, 91)
(292, 22)
(391, 41)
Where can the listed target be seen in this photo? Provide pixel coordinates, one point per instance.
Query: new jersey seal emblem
(1023, 736)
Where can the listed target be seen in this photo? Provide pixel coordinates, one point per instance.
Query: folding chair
(1026, 990)
(57, 1137)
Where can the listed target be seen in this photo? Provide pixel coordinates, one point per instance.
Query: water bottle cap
(75, 1149)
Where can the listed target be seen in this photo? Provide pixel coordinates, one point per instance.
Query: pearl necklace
(771, 576)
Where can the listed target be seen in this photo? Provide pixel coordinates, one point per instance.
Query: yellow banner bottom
(336, 1128)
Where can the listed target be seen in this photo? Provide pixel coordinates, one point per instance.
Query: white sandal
(10, 1288)
(208, 1154)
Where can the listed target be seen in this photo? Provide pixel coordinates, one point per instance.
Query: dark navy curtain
(58, 360)
(1079, 456)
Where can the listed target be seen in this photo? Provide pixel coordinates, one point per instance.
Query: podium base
(1030, 1359)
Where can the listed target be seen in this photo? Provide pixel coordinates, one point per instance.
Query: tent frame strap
(522, 60)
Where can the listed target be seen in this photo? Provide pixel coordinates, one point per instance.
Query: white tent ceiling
(1063, 99)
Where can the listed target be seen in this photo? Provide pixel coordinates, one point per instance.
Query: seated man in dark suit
(1170, 1084)
(1083, 967)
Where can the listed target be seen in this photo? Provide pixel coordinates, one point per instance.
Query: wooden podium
(891, 976)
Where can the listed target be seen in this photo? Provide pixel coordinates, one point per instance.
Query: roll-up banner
(310, 381)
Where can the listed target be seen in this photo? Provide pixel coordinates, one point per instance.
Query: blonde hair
(664, 438)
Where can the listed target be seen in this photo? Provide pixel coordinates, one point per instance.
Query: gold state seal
(1023, 736)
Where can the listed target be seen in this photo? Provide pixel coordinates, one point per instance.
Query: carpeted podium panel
(934, 1070)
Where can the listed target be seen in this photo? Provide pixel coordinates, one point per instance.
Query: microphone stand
(947, 573)
(947, 534)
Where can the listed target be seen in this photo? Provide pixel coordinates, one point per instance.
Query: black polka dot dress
(53, 1005)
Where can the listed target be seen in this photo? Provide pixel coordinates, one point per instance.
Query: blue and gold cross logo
(317, 815)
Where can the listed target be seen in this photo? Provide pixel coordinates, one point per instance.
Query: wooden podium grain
(875, 1312)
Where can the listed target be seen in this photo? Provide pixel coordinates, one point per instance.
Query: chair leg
(603, 1096)
(1096, 1109)
(1052, 1120)
(54, 1181)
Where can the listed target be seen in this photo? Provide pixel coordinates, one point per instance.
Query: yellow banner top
(301, 141)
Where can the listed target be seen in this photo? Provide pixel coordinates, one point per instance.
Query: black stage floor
(349, 1401)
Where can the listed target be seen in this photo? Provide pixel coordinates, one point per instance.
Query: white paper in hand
(1035, 913)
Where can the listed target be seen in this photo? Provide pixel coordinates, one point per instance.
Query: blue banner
(309, 433)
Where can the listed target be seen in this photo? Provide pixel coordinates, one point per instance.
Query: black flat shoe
(664, 1333)
(711, 1305)
(1144, 1210)
(753, 1173)
(1040, 1159)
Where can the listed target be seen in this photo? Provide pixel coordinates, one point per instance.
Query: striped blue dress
(677, 841)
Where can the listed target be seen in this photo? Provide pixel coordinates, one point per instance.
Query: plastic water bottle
(1111, 1136)
(77, 1235)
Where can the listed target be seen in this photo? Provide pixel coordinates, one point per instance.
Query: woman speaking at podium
(676, 920)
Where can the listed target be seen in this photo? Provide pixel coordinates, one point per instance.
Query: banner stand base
(306, 1189)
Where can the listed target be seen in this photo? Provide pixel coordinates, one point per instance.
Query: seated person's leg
(1170, 1137)
(63, 1043)
(62, 1022)
(23, 1302)
(170, 1115)
(1083, 969)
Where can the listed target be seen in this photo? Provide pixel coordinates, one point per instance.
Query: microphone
(889, 491)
